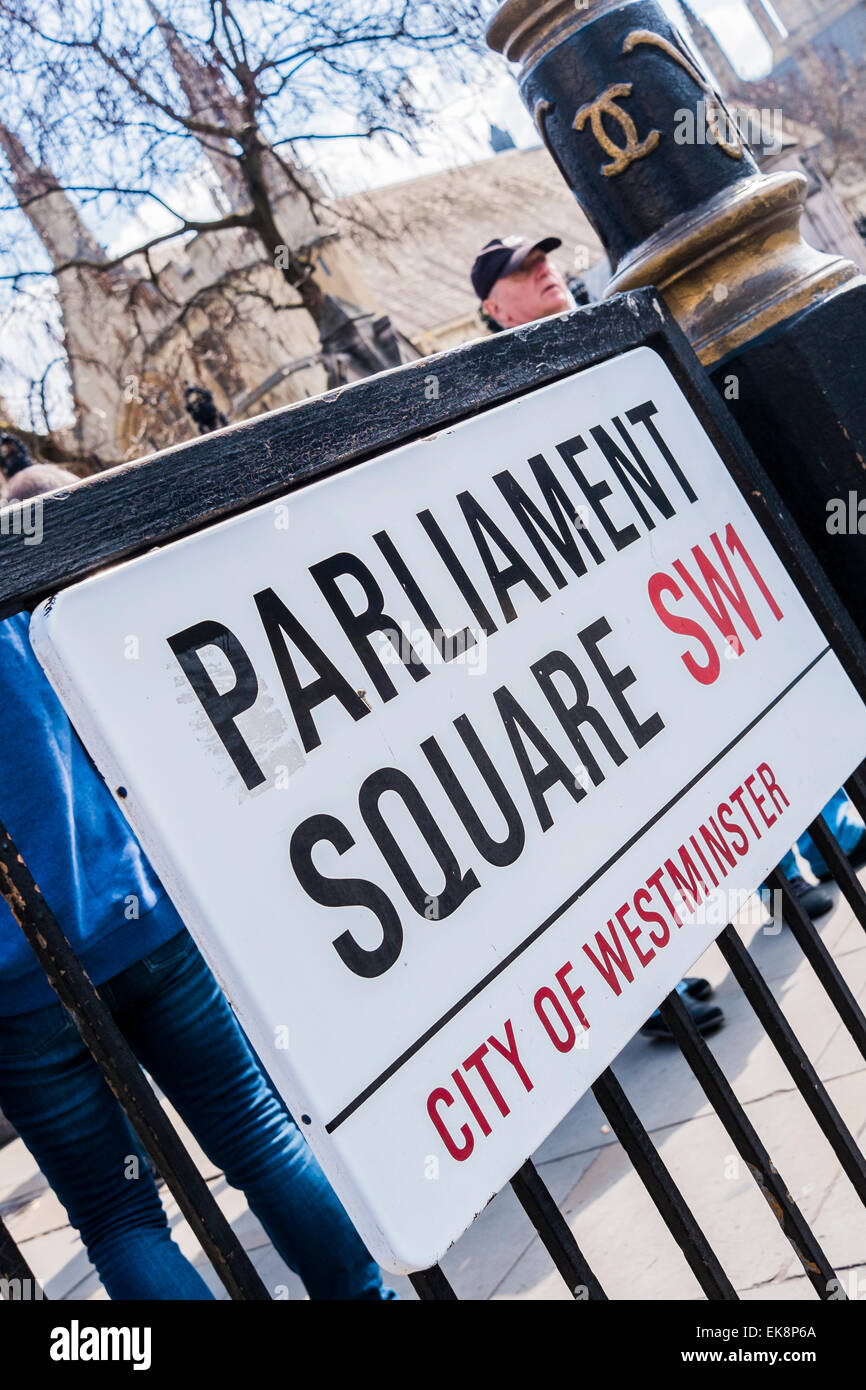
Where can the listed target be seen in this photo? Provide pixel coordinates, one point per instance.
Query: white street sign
(444, 879)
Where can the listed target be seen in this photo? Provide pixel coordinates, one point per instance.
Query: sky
(460, 134)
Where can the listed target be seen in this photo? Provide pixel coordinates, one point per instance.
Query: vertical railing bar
(856, 789)
(840, 867)
(668, 1199)
(785, 1041)
(118, 1065)
(13, 1265)
(816, 953)
(432, 1284)
(744, 1137)
(555, 1233)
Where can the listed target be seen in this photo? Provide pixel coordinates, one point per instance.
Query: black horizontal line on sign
(588, 883)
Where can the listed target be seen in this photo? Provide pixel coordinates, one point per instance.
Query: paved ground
(615, 1223)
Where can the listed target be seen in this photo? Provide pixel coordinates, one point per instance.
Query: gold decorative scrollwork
(607, 105)
(622, 156)
(716, 113)
(540, 113)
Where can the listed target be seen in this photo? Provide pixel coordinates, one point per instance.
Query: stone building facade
(818, 80)
(222, 316)
(217, 314)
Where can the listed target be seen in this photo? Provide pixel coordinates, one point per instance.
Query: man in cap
(516, 283)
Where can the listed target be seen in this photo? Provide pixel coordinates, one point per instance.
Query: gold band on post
(732, 265)
(736, 266)
(524, 30)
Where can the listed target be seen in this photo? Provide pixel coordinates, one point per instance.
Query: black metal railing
(163, 1146)
(539, 1205)
(122, 514)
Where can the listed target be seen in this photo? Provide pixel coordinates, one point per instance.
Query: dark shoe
(813, 899)
(705, 1017)
(695, 987)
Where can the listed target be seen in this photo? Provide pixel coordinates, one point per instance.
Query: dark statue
(202, 407)
(14, 455)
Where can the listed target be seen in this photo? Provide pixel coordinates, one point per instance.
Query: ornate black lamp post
(642, 136)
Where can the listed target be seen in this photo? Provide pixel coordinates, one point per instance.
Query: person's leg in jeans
(54, 1094)
(847, 827)
(183, 1031)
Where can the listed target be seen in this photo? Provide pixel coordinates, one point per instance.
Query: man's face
(532, 292)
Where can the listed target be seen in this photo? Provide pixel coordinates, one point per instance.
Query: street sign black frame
(128, 510)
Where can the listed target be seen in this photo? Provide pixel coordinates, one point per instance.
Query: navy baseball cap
(502, 256)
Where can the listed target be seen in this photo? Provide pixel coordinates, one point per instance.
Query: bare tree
(119, 104)
(823, 89)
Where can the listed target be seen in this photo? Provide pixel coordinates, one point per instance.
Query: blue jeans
(846, 826)
(177, 1021)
